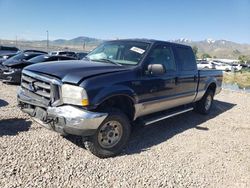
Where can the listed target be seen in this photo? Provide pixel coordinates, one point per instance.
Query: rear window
(185, 58)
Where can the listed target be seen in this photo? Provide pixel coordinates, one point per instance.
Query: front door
(158, 91)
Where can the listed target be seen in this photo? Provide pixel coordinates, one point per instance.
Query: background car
(8, 50)
(237, 67)
(223, 66)
(205, 65)
(64, 53)
(10, 70)
(46, 58)
(80, 55)
(6, 56)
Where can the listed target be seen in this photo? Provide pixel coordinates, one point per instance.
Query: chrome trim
(53, 82)
(150, 107)
(43, 78)
(168, 116)
(77, 118)
(29, 98)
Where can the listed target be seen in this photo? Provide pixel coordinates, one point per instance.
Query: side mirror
(156, 69)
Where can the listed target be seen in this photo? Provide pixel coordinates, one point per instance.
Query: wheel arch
(123, 99)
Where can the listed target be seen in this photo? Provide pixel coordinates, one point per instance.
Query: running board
(165, 116)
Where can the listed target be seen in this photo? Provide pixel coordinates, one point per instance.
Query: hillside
(218, 48)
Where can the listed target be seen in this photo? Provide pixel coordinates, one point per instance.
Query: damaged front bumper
(10, 75)
(65, 119)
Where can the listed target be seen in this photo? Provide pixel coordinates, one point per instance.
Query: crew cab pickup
(119, 84)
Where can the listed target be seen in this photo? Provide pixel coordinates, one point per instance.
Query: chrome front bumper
(65, 119)
(75, 121)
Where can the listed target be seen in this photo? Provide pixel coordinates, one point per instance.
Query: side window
(185, 58)
(163, 55)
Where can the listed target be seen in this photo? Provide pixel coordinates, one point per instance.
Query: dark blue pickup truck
(119, 83)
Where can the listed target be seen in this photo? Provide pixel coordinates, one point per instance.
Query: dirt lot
(190, 150)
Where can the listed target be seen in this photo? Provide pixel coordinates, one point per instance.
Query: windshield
(17, 57)
(37, 59)
(119, 52)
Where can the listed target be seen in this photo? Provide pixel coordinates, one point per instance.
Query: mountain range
(218, 48)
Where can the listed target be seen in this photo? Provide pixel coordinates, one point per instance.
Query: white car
(205, 65)
(223, 66)
(237, 67)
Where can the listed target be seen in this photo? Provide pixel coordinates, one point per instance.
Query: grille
(2, 67)
(42, 88)
(38, 87)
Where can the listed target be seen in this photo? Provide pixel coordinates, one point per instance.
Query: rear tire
(111, 137)
(204, 105)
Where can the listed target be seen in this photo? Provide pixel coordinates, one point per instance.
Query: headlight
(74, 95)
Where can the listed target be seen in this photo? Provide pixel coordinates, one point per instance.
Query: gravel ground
(190, 150)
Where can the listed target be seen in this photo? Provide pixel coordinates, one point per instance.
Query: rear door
(187, 76)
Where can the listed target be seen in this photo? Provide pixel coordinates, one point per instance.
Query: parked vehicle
(205, 65)
(81, 55)
(10, 70)
(6, 56)
(244, 65)
(223, 66)
(64, 53)
(120, 82)
(236, 67)
(8, 50)
(46, 58)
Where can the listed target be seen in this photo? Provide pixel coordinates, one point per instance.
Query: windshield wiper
(108, 61)
(86, 58)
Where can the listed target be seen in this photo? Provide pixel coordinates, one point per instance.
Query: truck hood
(74, 71)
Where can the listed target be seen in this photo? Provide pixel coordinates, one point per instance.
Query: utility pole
(47, 41)
(16, 41)
(84, 46)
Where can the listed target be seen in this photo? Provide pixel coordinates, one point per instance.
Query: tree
(205, 55)
(243, 58)
(195, 50)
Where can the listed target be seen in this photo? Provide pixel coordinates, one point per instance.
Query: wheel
(204, 105)
(111, 137)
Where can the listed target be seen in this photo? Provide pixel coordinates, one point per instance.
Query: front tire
(111, 136)
(204, 105)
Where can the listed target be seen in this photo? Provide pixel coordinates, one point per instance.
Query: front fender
(112, 91)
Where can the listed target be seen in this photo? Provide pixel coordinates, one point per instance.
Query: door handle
(154, 89)
(176, 80)
(195, 78)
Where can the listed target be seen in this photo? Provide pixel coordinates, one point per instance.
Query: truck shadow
(3, 103)
(11, 127)
(143, 138)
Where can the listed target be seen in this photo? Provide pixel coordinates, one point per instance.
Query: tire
(116, 125)
(204, 105)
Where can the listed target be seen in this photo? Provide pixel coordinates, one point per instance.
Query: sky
(110, 19)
